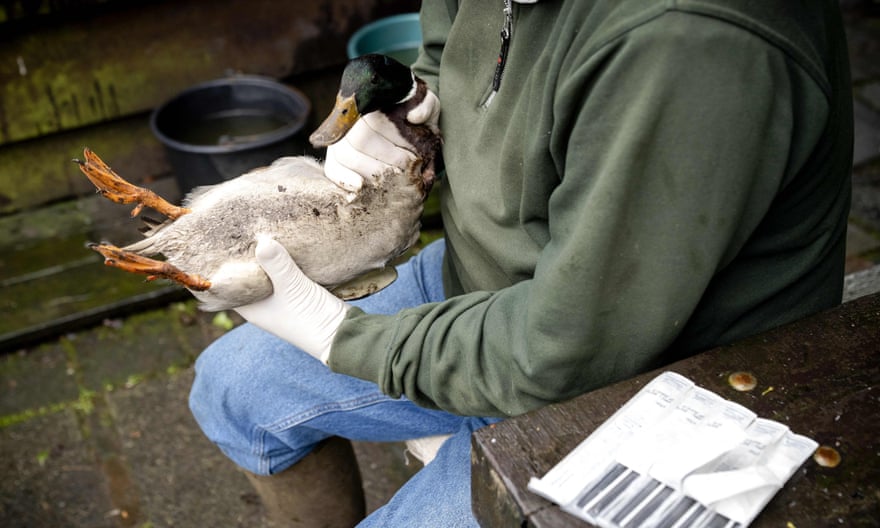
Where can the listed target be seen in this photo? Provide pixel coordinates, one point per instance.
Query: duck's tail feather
(151, 226)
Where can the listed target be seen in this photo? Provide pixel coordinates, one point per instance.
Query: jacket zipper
(506, 32)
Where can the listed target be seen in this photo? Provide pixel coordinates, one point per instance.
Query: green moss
(29, 414)
(35, 173)
(86, 401)
(62, 220)
(223, 321)
(134, 380)
(75, 290)
(186, 308)
(42, 457)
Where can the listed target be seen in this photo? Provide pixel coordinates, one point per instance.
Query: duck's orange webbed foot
(114, 188)
(154, 269)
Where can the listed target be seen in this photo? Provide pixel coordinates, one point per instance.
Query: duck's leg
(120, 191)
(154, 269)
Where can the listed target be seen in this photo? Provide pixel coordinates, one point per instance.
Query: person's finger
(341, 175)
(426, 111)
(376, 136)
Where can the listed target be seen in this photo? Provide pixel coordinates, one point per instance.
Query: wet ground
(94, 427)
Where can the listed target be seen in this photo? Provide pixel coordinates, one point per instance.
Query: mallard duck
(342, 241)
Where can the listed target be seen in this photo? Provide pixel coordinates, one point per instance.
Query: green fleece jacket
(653, 178)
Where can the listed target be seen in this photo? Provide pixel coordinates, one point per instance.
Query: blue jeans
(266, 404)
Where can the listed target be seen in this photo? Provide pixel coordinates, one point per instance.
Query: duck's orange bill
(338, 123)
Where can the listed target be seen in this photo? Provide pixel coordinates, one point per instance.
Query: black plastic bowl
(220, 129)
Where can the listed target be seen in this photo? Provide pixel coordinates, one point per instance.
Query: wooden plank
(861, 283)
(820, 376)
(34, 173)
(51, 283)
(127, 61)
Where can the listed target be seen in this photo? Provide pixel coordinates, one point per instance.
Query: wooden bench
(820, 376)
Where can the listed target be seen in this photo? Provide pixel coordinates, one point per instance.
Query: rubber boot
(323, 490)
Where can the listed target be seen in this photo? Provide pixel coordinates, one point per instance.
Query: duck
(342, 240)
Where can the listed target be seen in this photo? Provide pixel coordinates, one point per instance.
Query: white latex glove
(299, 310)
(374, 145)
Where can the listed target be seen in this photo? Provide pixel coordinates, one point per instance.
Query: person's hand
(299, 310)
(374, 145)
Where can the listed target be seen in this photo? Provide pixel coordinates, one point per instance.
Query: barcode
(623, 498)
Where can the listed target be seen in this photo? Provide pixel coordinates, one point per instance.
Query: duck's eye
(375, 78)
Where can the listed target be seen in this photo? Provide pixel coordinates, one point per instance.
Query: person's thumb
(275, 260)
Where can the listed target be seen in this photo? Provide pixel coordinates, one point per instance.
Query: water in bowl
(230, 128)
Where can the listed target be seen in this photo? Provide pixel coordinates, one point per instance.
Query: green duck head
(369, 83)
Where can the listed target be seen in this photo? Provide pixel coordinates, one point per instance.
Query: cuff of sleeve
(359, 349)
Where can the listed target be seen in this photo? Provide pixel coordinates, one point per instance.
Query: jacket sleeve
(435, 18)
(667, 166)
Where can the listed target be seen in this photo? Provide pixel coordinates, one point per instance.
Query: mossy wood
(120, 61)
(86, 73)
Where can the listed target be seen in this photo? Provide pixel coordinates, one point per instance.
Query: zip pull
(506, 32)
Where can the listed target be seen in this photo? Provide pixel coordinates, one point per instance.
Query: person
(627, 183)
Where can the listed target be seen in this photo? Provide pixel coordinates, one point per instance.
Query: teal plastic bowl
(397, 36)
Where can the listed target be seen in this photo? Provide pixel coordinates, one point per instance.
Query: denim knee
(225, 398)
(219, 375)
(254, 394)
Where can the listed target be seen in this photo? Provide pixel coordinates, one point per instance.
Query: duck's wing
(300, 174)
(366, 284)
